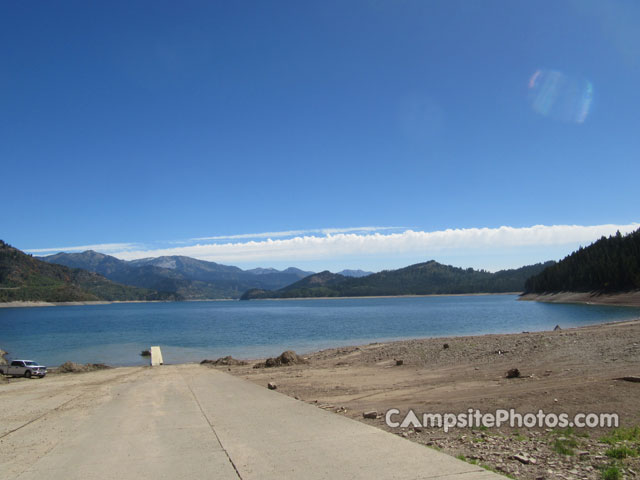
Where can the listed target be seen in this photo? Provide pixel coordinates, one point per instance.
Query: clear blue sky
(156, 122)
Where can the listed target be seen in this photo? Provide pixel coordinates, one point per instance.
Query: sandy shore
(566, 371)
(628, 299)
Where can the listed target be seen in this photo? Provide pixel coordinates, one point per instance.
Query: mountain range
(420, 279)
(25, 278)
(189, 278)
(610, 265)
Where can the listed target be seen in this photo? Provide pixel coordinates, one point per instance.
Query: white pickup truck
(23, 368)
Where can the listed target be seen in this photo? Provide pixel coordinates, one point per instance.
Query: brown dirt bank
(629, 299)
(566, 371)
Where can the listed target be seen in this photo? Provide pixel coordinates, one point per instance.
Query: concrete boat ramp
(193, 422)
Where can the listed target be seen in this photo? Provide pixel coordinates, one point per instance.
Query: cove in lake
(191, 331)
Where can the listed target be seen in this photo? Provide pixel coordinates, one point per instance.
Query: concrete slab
(188, 421)
(151, 428)
(269, 435)
(156, 356)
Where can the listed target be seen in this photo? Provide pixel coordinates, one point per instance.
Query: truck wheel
(27, 374)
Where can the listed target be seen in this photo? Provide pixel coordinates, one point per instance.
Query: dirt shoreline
(625, 299)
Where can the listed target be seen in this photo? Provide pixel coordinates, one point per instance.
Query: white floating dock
(156, 356)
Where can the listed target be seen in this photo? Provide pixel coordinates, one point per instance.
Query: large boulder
(290, 358)
(286, 358)
(3, 361)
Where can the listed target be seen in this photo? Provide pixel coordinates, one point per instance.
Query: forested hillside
(608, 265)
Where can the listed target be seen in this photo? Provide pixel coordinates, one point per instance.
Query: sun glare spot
(560, 96)
(532, 80)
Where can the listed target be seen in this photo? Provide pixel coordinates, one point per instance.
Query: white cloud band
(312, 247)
(291, 233)
(101, 247)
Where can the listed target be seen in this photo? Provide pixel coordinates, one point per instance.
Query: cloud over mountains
(304, 245)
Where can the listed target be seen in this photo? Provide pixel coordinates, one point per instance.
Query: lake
(191, 331)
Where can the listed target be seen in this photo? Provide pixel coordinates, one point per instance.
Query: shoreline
(390, 343)
(35, 303)
(380, 343)
(38, 304)
(624, 299)
(399, 342)
(445, 338)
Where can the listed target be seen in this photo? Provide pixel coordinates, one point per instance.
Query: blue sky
(152, 127)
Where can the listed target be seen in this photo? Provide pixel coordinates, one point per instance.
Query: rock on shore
(223, 361)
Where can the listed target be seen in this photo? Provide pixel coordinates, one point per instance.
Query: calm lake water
(190, 331)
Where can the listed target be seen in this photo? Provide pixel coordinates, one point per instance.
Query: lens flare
(560, 96)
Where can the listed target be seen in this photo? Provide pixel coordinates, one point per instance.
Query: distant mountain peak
(93, 253)
(262, 271)
(297, 271)
(271, 270)
(354, 273)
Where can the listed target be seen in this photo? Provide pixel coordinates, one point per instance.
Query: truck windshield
(30, 363)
